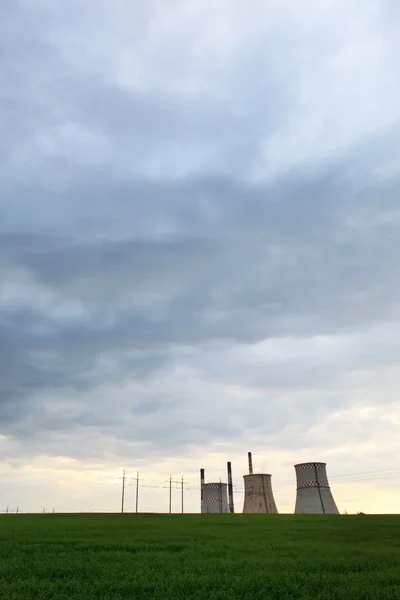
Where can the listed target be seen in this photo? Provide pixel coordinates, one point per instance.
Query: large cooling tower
(258, 494)
(215, 498)
(314, 496)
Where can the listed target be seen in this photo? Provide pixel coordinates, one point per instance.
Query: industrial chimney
(250, 463)
(258, 494)
(314, 496)
(201, 488)
(230, 489)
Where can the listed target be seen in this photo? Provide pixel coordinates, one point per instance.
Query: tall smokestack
(250, 463)
(202, 488)
(230, 489)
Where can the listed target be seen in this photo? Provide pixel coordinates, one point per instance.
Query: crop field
(215, 557)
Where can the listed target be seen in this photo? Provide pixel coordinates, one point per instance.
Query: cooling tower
(215, 498)
(258, 494)
(314, 496)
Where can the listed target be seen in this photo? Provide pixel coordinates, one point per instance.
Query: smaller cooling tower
(215, 498)
(314, 496)
(258, 494)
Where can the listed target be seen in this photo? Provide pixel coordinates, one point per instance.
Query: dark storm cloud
(161, 212)
(263, 247)
(157, 295)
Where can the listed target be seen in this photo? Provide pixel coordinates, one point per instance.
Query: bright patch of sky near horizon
(199, 241)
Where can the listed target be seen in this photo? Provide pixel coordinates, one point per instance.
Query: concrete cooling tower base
(308, 502)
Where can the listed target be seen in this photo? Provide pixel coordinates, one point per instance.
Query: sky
(199, 241)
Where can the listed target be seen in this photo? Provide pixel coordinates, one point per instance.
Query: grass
(215, 557)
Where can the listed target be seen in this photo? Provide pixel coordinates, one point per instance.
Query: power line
(181, 483)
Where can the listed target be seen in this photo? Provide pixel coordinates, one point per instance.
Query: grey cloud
(295, 253)
(56, 112)
(140, 263)
(253, 99)
(191, 290)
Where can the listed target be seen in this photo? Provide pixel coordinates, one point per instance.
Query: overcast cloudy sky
(199, 247)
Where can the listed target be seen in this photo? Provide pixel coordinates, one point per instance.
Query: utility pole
(220, 496)
(137, 491)
(123, 492)
(181, 483)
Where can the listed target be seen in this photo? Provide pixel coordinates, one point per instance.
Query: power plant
(258, 494)
(214, 496)
(314, 496)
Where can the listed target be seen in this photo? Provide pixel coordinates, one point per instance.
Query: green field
(110, 557)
